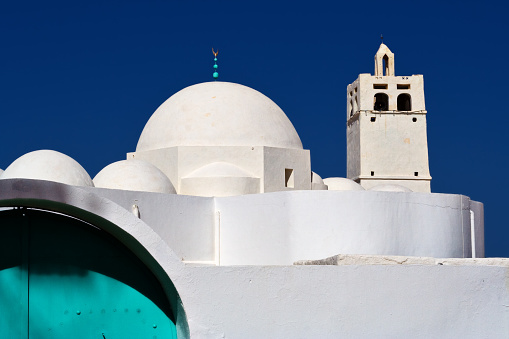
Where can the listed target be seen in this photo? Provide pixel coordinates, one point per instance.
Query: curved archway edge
(136, 235)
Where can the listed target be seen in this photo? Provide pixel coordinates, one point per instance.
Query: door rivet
(78, 312)
(154, 326)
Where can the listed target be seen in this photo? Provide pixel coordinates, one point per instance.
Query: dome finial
(382, 38)
(215, 74)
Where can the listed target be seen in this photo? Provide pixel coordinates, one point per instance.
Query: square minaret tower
(386, 128)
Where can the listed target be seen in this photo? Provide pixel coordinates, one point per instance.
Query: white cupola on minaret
(386, 128)
(384, 61)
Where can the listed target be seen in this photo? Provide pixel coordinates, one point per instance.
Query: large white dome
(218, 114)
(48, 165)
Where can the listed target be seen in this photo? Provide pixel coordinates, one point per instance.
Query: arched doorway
(61, 277)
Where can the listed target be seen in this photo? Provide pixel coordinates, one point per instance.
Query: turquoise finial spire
(215, 74)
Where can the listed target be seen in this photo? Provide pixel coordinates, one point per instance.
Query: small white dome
(218, 114)
(1, 171)
(134, 175)
(342, 184)
(316, 179)
(317, 182)
(48, 165)
(390, 188)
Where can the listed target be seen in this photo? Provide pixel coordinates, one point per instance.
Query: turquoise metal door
(63, 278)
(13, 278)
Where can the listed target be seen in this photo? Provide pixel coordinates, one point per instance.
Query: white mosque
(217, 227)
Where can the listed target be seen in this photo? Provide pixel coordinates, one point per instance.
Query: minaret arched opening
(381, 102)
(385, 65)
(404, 102)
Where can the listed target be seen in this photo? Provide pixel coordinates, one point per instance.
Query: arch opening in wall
(66, 276)
(404, 102)
(385, 65)
(381, 102)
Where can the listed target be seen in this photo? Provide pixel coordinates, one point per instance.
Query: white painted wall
(185, 223)
(219, 186)
(363, 91)
(281, 228)
(358, 301)
(266, 163)
(353, 147)
(393, 147)
(477, 209)
(276, 160)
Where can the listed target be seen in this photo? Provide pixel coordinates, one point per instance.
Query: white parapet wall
(280, 228)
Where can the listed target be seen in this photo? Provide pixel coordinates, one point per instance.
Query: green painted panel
(68, 302)
(63, 278)
(13, 276)
(13, 303)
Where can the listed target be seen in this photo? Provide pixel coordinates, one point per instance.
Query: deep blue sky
(83, 78)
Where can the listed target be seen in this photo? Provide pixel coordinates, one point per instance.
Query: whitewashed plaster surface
(388, 146)
(185, 223)
(221, 122)
(477, 228)
(317, 182)
(390, 188)
(458, 299)
(219, 179)
(355, 301)
(134, 175)
(393, 147)
(264, 168)
(384, 55)
(366, 92)
(218, 114)
(283, 227)
(48, 165)
(342, 184)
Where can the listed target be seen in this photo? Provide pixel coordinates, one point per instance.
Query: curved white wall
(284, 227)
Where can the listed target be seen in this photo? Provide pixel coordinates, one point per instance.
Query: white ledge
(361, 259)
